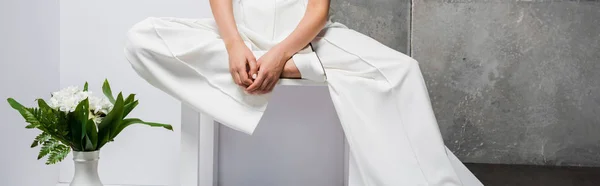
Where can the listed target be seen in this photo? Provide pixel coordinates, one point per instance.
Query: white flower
(97, 119)
(99, 105)
(67, 99)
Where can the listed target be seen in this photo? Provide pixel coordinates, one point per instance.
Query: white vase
(86, 169)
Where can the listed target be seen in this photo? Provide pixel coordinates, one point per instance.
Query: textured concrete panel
(387, 21)
(513, 82)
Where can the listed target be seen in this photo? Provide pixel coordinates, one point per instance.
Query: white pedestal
(200, 146)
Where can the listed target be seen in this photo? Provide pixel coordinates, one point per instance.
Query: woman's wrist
(285, 50)
(230, 43)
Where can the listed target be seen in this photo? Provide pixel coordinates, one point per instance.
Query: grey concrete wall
(511, 82)
(387, 21)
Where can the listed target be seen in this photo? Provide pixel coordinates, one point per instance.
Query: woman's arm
(223, 12)
(239, 54)
(311, 24)
(271, 64)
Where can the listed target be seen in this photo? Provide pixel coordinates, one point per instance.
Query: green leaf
(35, 143)
(112, 119)
(107, 92)
(89, 146)
(47, 147)
(129, 107)
(130, 104)
(130, 121)
(43, 152)
(62, 124)
(43, 104)
(82, 112)
(74, 131)
(92, 136)
(58, 154)
(30, 126)
(77, 123)
(55, 150)
(46, 119)
(130, 98)
(85, 87)
(40, 139)
(25, 112)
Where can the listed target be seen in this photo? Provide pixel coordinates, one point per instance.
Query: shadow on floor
(533, 175)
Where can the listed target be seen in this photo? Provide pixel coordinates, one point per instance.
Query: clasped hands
(255, 76)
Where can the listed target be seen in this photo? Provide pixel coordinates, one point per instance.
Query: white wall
(29, 69)
(92, 39)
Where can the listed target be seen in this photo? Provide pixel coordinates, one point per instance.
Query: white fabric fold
(309, 65)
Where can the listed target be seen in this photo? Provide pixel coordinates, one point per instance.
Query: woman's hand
(241, 63)
(271, 64)
(240, 57)
(270, 67)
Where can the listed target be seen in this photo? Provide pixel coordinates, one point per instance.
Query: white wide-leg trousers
(379, 95)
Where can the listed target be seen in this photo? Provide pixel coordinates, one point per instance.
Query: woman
(227, 66)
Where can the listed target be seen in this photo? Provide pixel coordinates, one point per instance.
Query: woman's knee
(135, 35)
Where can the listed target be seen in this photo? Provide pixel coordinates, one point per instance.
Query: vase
(86, 169)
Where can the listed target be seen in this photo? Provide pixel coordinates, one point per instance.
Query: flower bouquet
(76, 119)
